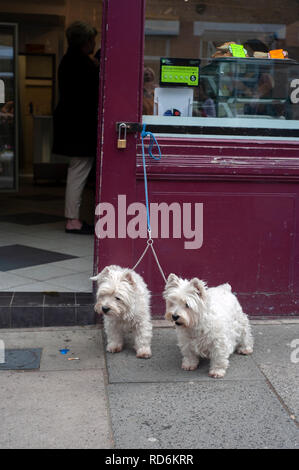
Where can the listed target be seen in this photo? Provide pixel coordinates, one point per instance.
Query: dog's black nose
(105, 309)
(175, 317)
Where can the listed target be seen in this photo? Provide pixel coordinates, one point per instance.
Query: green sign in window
(180, 75)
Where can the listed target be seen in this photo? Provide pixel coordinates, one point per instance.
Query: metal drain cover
(21, 359)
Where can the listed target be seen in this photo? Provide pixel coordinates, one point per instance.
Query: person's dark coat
(75, 117)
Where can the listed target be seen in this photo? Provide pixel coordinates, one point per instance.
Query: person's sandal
(86, 229)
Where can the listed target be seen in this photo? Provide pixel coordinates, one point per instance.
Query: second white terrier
(124, 300)
(210, 323)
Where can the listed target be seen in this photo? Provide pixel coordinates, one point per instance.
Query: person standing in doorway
(75, 118)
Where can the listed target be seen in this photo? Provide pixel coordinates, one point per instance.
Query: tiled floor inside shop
(41, 265)
(35, 252)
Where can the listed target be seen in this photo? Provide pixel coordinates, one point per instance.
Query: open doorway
(36, 255)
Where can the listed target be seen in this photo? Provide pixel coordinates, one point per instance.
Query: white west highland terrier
(124, 299)
(209, 323)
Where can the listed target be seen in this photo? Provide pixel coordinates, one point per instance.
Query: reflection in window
(7, 108)
(256, 85)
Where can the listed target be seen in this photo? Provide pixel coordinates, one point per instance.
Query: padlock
(122, 142)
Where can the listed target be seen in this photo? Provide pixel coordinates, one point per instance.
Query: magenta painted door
(248, 190)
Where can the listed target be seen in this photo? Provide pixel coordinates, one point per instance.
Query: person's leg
(78, 171)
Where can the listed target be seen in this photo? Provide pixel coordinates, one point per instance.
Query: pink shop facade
(234, 152)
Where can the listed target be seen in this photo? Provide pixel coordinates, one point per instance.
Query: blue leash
(153, 141)
(150, 241)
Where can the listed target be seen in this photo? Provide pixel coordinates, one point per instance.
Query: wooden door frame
(120, 100)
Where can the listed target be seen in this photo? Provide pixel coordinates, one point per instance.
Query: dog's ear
(128, 276)
(200, 286)
(97, 278)
(172, 280)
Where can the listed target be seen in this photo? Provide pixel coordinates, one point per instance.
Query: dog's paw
(144, 353)
(187, 366)
(245, 351)
(114, 348)
(217, 373)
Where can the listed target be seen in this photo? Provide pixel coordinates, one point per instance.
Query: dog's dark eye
(117, 298)
(187, 306)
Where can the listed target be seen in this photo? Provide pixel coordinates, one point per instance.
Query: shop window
(246, 56)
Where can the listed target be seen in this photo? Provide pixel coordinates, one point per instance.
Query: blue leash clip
(153, 141)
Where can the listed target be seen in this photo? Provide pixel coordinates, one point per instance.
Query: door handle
(131, 127)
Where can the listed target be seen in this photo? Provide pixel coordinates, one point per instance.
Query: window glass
(247, 55)
(7, 107)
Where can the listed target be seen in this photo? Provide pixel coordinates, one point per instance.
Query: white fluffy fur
(124, 299)
(209, 323)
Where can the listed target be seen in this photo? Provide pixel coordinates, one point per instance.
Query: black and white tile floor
(41, 266)
(44, 257)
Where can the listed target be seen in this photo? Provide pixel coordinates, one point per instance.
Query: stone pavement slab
(155, 404)
(198, 415)
(46, 410)
(149, 403)
(165, 363)
(83, 342)
(64, 404)
(273, 343)
(273, 355)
